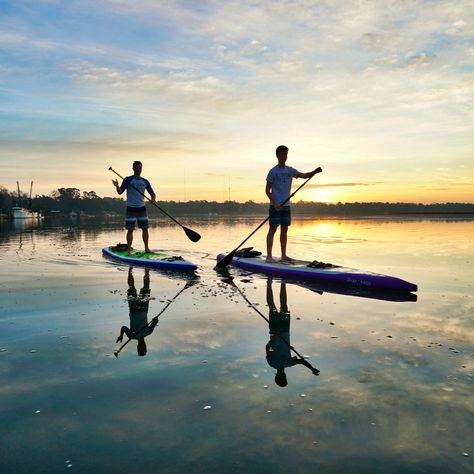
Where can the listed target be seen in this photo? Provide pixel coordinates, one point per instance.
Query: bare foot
(287, 259)
(270, 260)
(147, 251)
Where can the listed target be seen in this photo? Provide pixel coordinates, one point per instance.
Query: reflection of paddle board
(373, 293)
(332, 274)
(153, 259)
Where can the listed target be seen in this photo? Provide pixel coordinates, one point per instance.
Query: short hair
(137, 163)
(280, 149)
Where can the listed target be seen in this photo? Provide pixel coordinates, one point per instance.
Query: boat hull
(22, 213)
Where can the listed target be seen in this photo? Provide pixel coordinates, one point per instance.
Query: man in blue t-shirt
(136, 186)
(278, 189)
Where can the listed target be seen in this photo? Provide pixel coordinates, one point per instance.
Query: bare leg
(129, 241)
(270, 235)
(283, 298)
(283, 241)
(146, 280)
(145, 239)
(270, 301)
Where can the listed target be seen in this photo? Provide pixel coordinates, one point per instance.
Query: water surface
(394, 392)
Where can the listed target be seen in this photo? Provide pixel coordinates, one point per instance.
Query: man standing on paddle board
(136, 209)
(278, 189)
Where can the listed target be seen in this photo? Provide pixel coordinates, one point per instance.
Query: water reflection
(394, 394)
(138, 305)
(376, 294)
(278, 348)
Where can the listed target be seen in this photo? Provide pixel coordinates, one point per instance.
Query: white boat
(23, 213)
(19, 212)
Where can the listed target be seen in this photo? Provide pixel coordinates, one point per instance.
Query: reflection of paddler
(278, 348)
(138, 312)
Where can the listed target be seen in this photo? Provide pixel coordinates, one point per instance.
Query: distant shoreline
(70, 201)
(153, 215)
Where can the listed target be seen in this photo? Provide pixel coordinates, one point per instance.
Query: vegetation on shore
(66, 200)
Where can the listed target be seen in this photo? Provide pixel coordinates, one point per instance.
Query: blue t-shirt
(281, 178)
(134, 198)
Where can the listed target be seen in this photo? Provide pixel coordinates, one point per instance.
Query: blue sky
(379, 94)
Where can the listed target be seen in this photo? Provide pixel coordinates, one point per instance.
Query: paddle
(192, 235)
(187, 285)
(223, 262)
(305, 362)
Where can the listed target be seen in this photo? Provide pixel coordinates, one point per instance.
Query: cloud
(382, 82)
(338, 185)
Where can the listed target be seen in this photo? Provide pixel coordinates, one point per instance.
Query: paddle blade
(223, 262)
(193, 236)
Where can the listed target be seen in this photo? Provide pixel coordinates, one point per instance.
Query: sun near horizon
(380, 102)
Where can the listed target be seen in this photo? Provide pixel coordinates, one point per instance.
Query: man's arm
(309, 173)
(306, 364)
(117, 187)
(268, 192)
(150, 191)
(153, 324)
(268, 346)
(125, 330)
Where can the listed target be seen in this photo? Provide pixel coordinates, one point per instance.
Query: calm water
(394, 393)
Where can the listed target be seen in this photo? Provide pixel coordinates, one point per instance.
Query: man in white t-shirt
(136, 185)
(278, 189)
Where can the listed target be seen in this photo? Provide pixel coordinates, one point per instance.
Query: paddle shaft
(228, 258)
(268, 321)
(194, 236)
(116, 353)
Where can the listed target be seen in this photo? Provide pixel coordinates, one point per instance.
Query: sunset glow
(377, 94)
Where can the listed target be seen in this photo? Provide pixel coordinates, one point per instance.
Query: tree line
(66, 200)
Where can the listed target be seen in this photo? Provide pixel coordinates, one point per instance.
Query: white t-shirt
(281, 178)
(131, 184)
(279, 355)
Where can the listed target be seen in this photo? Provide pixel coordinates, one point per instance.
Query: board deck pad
(335, 274)
(157, 259)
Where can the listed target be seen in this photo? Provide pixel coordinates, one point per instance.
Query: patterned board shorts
(282, 216)
(138, 215)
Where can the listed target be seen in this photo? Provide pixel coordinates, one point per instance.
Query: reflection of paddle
(304, 361)
(223, 262)
(188, 284)
(192, 235)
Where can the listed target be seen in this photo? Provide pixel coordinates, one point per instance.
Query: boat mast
(19, 196)
(31, 189)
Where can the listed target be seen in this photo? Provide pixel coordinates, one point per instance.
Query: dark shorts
(280, 217)
(136, 214)
(279, 322)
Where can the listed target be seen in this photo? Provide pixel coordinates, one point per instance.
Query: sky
(378, 93)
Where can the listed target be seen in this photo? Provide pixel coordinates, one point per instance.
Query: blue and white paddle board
(158, 259)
